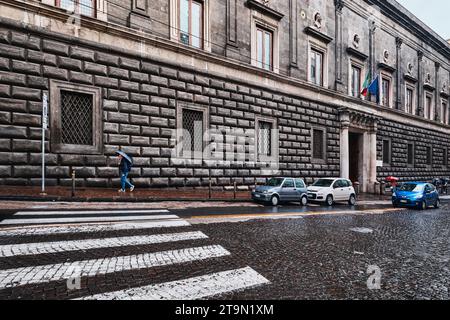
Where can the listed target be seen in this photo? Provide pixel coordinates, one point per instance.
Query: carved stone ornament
(318, 20)
(428, 78)
(356, 41)
(386, 56)
(410, 68)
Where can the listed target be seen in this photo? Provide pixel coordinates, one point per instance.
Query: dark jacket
(124, 166)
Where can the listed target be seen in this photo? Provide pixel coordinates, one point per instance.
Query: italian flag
(366, 85)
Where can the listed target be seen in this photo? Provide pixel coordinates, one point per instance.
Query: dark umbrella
(123, 154)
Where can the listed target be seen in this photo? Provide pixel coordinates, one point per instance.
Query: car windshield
(275, 182)
(323, 183)
(412, 187)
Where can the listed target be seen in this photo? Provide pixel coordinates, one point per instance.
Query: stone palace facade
(221, 90)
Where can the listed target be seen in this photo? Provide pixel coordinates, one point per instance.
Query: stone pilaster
(232, 49)
(420, 101)
(139, 17)
(437, 104)
(293, 39)
(398, 80)
(339, 83)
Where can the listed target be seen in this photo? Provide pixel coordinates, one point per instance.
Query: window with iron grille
(410, 154)
(429, 159)
(193, 131)
(387, 152)
(445, 157)
(76, 118)
(318, 144)
(265, 138)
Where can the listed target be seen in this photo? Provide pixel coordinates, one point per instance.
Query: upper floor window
(444, 112)
(191, 22)
(316, 67)
(264, 42)
(83, 7)
(386, 90)
(356, 81)
(428, 110)
(409, 108)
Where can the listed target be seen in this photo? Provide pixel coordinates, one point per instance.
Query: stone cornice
(318, 35)
(357, 54)
(121, 40)
(253, 4)
(396, 12)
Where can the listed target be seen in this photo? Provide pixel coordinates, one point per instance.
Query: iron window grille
(387, 152)
(192, 131)
(265, 139)
(318, 145)
(75, 118)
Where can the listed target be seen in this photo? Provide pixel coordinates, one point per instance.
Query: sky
(435, 13)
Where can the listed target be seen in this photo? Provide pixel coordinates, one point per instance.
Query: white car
(331, 190)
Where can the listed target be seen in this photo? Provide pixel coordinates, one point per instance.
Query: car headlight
(394, 195)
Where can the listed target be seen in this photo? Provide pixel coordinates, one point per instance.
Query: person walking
(126, 162)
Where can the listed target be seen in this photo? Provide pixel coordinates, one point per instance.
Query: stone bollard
(377, 188)
(357, 186)
(383, 188)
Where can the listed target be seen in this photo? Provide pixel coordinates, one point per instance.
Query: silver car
(282, 190)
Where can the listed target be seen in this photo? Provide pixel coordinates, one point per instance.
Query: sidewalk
(111, 195)
(139, 195)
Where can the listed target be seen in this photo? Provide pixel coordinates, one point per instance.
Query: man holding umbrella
(126, 162)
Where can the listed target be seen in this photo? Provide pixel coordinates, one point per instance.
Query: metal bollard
(73, 183)
(235, 190)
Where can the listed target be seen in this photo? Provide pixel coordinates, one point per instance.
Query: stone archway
(358, 145)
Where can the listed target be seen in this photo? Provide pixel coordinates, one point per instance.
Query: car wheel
(304, 201)
(275, 201)
(352, 200)
(330, 200)
(437, 204)
(423, 205)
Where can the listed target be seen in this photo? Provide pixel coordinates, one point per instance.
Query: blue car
(419, 195)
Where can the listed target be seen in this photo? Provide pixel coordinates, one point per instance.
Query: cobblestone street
(188, 254)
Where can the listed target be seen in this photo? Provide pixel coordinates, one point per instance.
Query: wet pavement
(288, 252)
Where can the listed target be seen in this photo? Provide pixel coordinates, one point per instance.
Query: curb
(118, 200)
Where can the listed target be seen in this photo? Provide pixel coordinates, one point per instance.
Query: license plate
(257, 196)
(404, 201)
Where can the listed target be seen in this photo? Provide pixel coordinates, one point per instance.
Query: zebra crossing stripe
(25, 249)
(60, 230)
(99, 212)
(190, 289)
(62, 219)
(90, 268)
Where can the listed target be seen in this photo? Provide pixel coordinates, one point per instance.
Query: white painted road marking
(25, 249)
(99, 212)
(59, 230)
(56, 220)
(190, 289)
(362, 230)
(90, 268)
